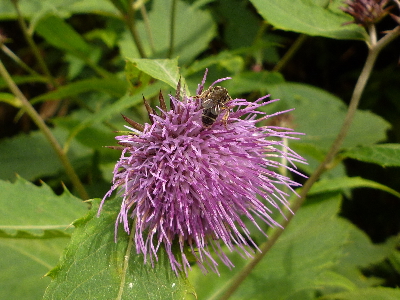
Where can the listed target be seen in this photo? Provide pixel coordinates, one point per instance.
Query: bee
(213, 100)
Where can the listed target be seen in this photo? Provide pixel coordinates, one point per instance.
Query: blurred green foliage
(104, 56)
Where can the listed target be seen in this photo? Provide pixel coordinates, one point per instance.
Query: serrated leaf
(333, 279)
(377, 293)
(95, 267)
(386, 155)
(338, 184)
(33, 210)
(304, 251)
(311, 17)
(361, 253)
(35, 227)
(166, 70)
(112, 86)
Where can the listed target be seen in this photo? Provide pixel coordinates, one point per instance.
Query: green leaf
(248, 82)
(320, 115)
(386, 155)
(29, 210)
(338, 184)
(31, 156)
(33, 8)
(94, 266)
(332, 279)
(228, 60)
(112, 86)
(377, 293)
(362, 253)
(194, 29)
(316, 18)
(34, 228)
(394, 259)
(116, 108)
(38, 8)
(314, 156)
(107, 36)
(22, 79)
(94, 136)
(23, 264)
(166, 70)
(61, 35)
(10, 99)
(304, 252)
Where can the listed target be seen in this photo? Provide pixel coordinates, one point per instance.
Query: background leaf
(35, 227)
(349, 182)
(193, 31)
(320, 115)
(24, 262)
(303, 253)
(386, 155)
(92, 266)
(32, 210)
(379, 293)
(321, 18)
(61, 35)
(31, 156)
(165, 70)
(113, 86)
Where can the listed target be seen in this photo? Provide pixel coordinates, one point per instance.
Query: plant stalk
(373, 53)
(33, 46)
(131, 23)
(172, 29)
(28, 108)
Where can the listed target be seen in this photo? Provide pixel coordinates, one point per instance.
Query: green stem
(147, 26)
(131, 23)
(373, 53)
(99, 70)
(172, 29)
(33, 46)
(19, 62)
(290, 53)
(28, 108)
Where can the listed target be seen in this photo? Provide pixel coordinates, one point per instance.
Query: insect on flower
(192, 187)
(213, 100)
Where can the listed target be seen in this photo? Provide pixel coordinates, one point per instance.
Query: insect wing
(208, 103)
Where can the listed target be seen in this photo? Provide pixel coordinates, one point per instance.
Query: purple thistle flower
(191, 185)
(366, 12)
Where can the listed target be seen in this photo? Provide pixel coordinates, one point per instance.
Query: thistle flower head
(186, 184)
(366, 12)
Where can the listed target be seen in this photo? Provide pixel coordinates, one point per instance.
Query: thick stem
(374, 50)
(28, 108)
